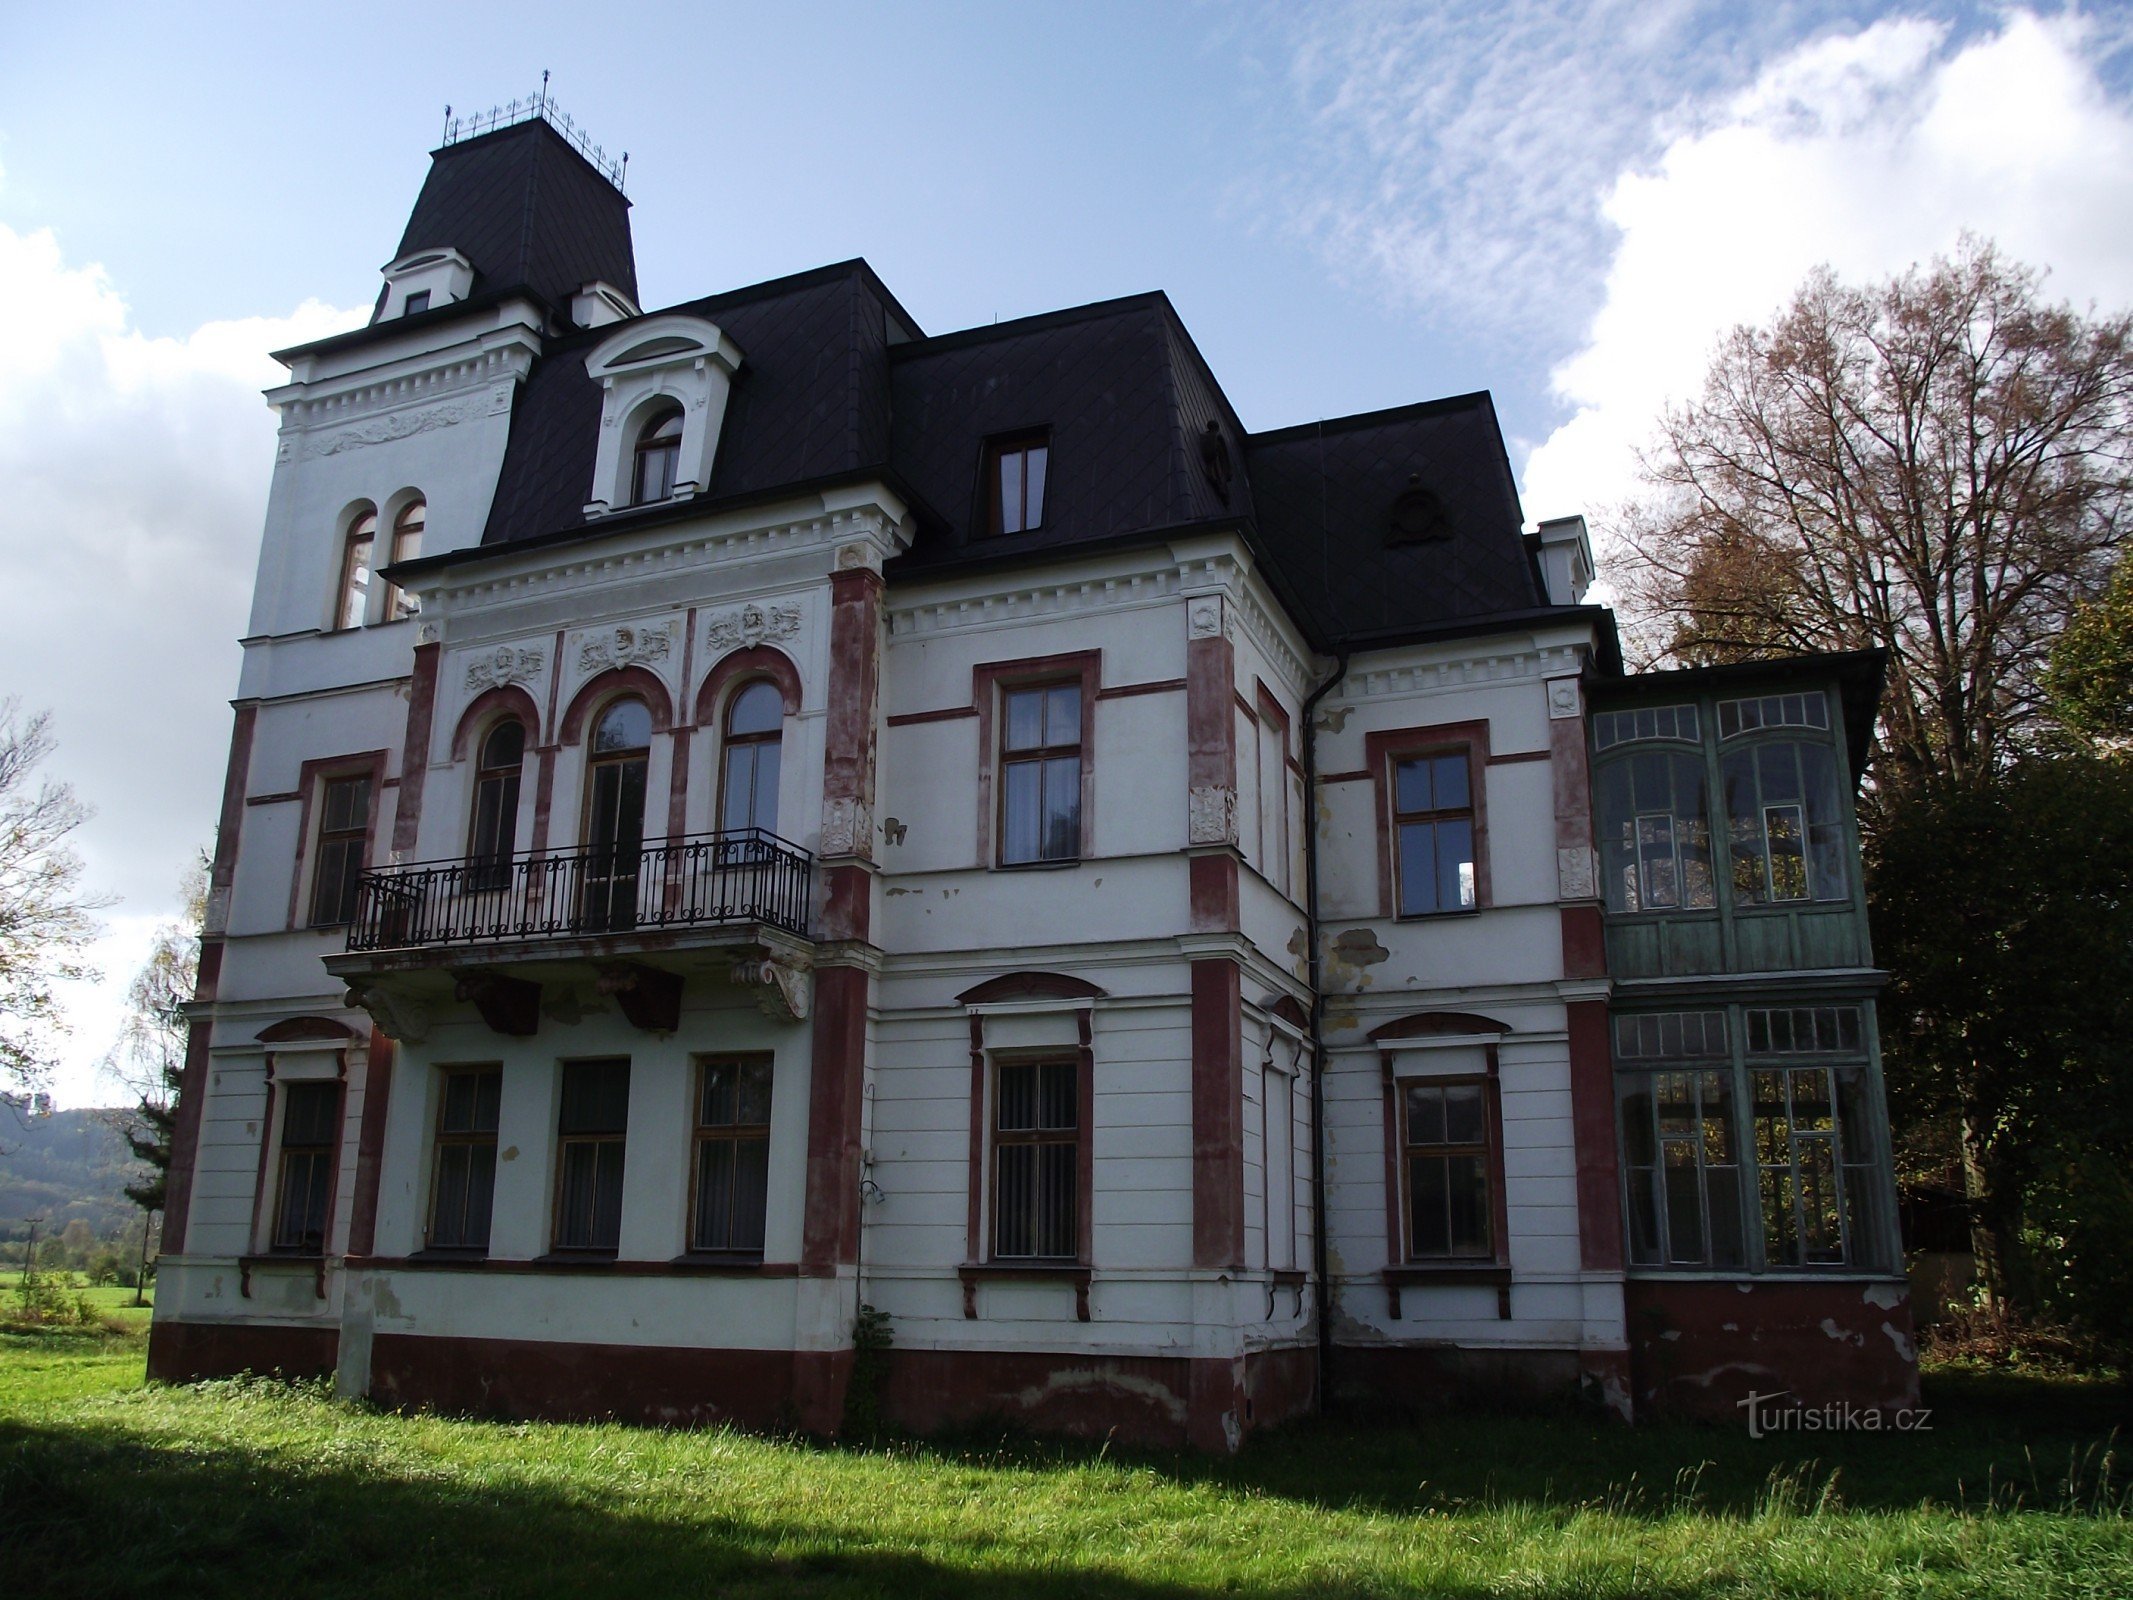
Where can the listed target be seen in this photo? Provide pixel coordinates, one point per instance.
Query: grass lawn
(111, 1487)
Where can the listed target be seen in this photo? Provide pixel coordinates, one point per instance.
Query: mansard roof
(528, 211)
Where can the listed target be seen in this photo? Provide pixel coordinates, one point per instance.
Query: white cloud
(1868, 151)
(136, 472)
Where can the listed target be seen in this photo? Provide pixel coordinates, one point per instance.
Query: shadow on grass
(94, 1511)
(1987, 1441)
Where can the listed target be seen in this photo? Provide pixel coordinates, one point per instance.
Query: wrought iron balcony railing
(702, 880)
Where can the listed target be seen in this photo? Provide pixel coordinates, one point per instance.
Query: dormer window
(658, 455)
(418, 301)
(415, 283)
(1015, 471)
(664, 383)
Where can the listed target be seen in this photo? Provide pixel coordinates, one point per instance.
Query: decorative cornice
(304, 410)
(1500, 666)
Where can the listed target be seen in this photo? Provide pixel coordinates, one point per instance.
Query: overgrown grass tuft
(250, 1486)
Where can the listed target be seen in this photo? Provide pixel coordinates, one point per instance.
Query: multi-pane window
(1610, 728)
(343, 826)
(589, 1140)
(310, 1122)
(1678, 1156)
(1036, 1159)
(1809, 710)
(1785, 821)
(407, 544)
(1447, 1153)
(351, 606)
(1040, 773)
(495, 823)
(464, 1188)
(732, 1154)
(1655, 832)
(748, 777)
(1740, 1149)
(614, 815)
(658, 458)
(1015, 474)
(1433, 822)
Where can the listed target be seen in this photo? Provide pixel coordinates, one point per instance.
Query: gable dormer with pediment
(646, 372)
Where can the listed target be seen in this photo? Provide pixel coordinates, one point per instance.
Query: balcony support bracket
(508, 1005)
(648, 996)
(783, 991)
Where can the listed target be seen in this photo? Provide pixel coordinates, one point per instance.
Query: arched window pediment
(647, 369)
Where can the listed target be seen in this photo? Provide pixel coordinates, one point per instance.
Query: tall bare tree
(45, 922)
(1940, 465)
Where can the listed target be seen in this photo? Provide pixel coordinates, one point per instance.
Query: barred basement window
(732, 1155)
(310, 1121)
(1036, 1160)
(464, 1189)
(590, 1131)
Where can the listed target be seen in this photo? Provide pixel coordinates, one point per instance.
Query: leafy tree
(2090, 678)
(45, 924)
(150, 1057)
(2003, 908)
(1940, 465)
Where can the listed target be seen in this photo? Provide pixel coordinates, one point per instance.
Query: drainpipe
(1323, 1297)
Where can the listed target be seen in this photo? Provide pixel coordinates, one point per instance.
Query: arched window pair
(352, 605)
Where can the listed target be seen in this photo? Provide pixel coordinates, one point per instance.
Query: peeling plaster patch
(1343, 1024)
(893, 893)
(510, 1153)
(1885, 1296)
(1901, 1340)
(252, 1128)
(1334, 718)
(1359, 947)
(1297, 945)
(1107, 1379)
(1830, 1330)
(1671, 1333)
(384, 1301)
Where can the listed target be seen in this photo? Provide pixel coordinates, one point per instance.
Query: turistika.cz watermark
(1769, 1414)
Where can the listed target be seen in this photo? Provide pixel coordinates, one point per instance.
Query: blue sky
(1353, 206)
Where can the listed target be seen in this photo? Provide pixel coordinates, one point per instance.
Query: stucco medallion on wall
(1212, 818)
(751, 625)
(625, 647)
(504, 665)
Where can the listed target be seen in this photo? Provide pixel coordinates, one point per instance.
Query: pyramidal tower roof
(531, 203)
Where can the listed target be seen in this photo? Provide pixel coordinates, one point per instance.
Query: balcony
(631, 925)
(745, 875)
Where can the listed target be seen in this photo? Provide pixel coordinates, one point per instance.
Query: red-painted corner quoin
(854, 689)
(1699, 1348)
(415, 753)
(1217, 1114)
(830, 1223)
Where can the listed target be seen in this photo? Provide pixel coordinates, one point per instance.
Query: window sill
(589, 1263)
(975, 1272)
(1480, 1274)
(1440, 916)
(1039, 866)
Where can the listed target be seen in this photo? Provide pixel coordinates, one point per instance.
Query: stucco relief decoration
(753, 625)
(783, 992)
(1562, 698)
(383, 430)
(1212, 815)
(1205, 620)
(1574, 875)
(848, 829)
(625, 647)
(503, 665)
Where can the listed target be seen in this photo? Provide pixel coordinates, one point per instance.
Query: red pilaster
(415, 754)
(193, 1083)
(1592, 1112)
(830, 1229)
(370, 1146)
(1217, 1114)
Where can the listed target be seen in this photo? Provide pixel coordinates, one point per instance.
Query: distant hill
(63, 1165)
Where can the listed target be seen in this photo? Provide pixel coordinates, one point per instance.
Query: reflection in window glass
(1433, 817)
(1655, 832)
(1784, 817)
(1040, 773)
(352, 607)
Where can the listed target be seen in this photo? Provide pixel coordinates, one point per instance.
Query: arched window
(658, 456)
(407, 544)
(748, 778)
(614, 814)
(352, 600)
(495, 825)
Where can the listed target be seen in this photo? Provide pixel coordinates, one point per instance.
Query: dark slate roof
(811, 400)
(1323, 496)
(1107, 384)
(528, 211)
